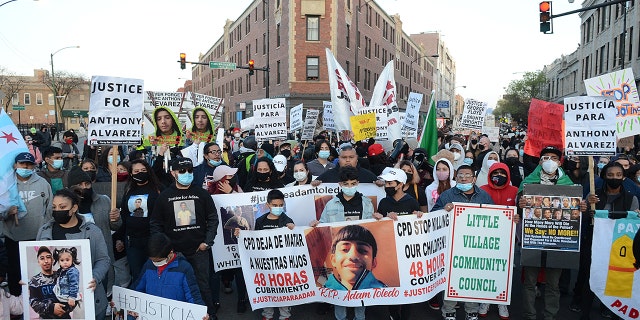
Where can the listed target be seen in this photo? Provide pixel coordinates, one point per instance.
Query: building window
(278, 35)
(248, 81)
(239, 85)
(630, 42)
(39, 99)
(15, 100)
(27, 99)
(264, 11)
(348, 67)
(50, 98)
(278, 72)
(313, 66)
(349, 36)
(264, 43)
(313, 28)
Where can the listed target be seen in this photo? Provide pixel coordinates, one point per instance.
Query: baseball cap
(375, 149)
(25, 157)
(394, 174)
(221, 171)
(551, 149)
(280, 162)
(181, 163)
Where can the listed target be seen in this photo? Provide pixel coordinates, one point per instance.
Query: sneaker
(483, 309)
(434, 304)
(472, 316)
(575, 308)
(503, 312)
(449, 316)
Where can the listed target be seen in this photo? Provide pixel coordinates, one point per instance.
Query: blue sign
(442, 104)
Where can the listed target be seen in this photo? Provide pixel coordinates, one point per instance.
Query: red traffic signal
(545, 17)
(183, 60)
(251, 66)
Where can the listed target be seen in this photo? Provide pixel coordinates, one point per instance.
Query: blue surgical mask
(638, 178)
(24, 173)
(349, 192)
(521, 152)
(277, 211)
(464, 187)
(215, 163)
(57, 163)
(110, 159)
(324, 154)
(600, 165)
(467, 161)
(185, 179)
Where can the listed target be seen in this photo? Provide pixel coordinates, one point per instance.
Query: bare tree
(10, 84)
(65, 83)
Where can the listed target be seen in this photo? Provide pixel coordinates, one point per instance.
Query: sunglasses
(181, 171)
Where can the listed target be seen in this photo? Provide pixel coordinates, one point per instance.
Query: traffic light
(545, 17)
(183, 60)
(251, 66)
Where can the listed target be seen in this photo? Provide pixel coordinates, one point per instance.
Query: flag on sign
(11, 144)
(429, 137)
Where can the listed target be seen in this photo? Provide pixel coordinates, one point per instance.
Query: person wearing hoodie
(52, 169)
(489, 159)
(458, 154)
(443, 180)
(36, 195)
(516, 170)
(245, 159)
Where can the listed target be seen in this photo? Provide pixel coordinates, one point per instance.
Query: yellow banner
(363, 126)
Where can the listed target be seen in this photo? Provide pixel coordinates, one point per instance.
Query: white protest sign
(406, 131)
(412, 115)
(310, 121)
(590, 126)
(473, 114)
(247, 124)
(220, 137)
(136, 305)
(295, 118)
(327, 116)
(273, 119)
(481, 254)
(212, 104)
(493, 133)
(115, 110)
(382, 121)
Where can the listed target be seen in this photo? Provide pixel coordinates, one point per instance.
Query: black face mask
(511, 161)
(571, 165)
(61, 216)
(505, 144)
(92, 174)
(390, 191)
(613, 183)
(87, 194)
(499, 180)
(140, 177)
(262, 176)
(481, 147)
(286, 153)
(409, 177)
(474, 141)
(233, 182)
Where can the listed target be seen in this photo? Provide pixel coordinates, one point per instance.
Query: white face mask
(491, 162)
(550, 166)
(300, 175)
(161, 262)
(456, 156)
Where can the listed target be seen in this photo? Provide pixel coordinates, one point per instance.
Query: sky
(493, 42)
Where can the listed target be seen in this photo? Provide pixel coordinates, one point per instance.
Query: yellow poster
(363, 126)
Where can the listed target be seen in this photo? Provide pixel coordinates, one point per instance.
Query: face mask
(550, 166)
(613, 183)
(262, 176)
(464, 187)
(300, 175)
(467, 161)
(481, 147)
(409, 177)
(324, 154)
(499, 180)
(601, 165)
(277, 211)
(122, 176)
(237, 135)
(571, 165)
(505, 144)
(92, 174)
(349, 192)
(521, 152)
(61, 216)
(87, 193)
(24, 173)
(140, 177)
(286, 153)
(57, 164)
(185, 179)
(110, 159)
(390, 191)
(490, 163)
(456, 156)
(638, 178)
(161, 263)
(215, 163)
(69, 141)
(474, 141)
(233, 181)
(442, 175)
(511, 161)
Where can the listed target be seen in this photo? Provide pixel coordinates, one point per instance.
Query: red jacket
(505, 195)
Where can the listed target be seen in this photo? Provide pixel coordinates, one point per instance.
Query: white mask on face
(491, 162)
(550, 166)
(456, 156)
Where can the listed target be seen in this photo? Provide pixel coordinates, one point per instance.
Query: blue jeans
(341, 313)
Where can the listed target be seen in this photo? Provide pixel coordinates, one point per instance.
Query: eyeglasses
(215, 151)
(464, 176)
(554, 158)
(181, 171)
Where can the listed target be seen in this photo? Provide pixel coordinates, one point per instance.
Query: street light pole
(55, 89)
(411, 68)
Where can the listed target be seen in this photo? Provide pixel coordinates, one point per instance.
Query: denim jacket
(334, 210)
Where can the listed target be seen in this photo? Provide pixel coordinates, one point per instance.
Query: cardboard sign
(473, 114)
(327, 116)
(363, 126)
(295, 118)
(544, 127)
(589, 126)
(273, 119)
(310, 121)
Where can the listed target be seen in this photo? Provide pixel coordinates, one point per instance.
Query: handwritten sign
(363, 126)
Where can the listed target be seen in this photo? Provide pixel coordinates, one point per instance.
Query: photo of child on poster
(241, 217)
(167, 128)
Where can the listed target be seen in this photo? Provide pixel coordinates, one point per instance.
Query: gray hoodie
(36, 195)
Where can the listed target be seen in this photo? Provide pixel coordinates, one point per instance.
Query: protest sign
(473, 114)
(551, 219)
(481, 253)
(130, 304)
(205, 110)
(346, 99)
(43, 287)
(492, 132)
(115, 111)
(310, 121)
(247, 124)
(273, 119)
(544, 127)
(363, 126)
(407, 132)
(443, 109)
(614, 263)
(412, 115)
(240, 210)
(589, 126)
(180, 103)
(384, 95)
(295, 118)
(621, 87)
(382, 121)
(327, 116)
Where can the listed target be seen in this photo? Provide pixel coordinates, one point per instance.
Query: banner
(310, 122)
(382, 121)
(273, 119)
(384, 94)
(544, 127)
(473, 114)
(240, 210)
(614, 263)
(363, 126)
(412, 116)
(481, 253)
(620, 86)
(551, 219)
(589, 126)
(327, 116)
(399, 262)
(130, 304)
(295, 118)
(115, 111)
(346, 99)
(444, 111)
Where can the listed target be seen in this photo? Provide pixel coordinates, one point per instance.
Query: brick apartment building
(290, 37)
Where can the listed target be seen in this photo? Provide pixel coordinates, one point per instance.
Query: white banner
(382, 122)
(295, 118)
(130, 304)
(589, 126)
(412, 116)
(481, 254)
(310, 121)
(384, 94)
(327, 116)
(473, 114)
(115, 110)
(273, 119)
(346, 99)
